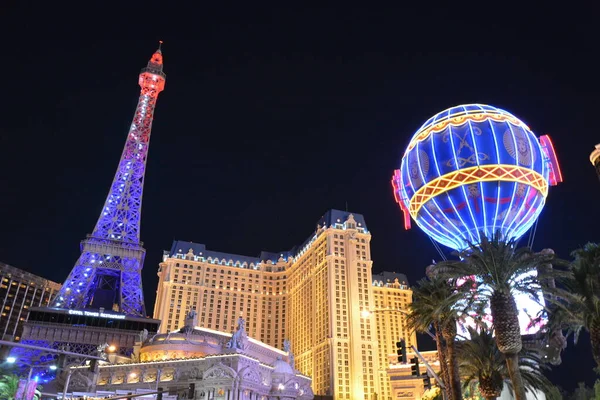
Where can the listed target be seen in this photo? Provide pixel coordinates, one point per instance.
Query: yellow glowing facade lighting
(458, 119)
(481, 173)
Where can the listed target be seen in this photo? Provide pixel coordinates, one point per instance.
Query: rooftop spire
(155, 65)
(157, 56)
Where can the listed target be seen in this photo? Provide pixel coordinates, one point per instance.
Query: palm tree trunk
(512, 362)
(449, 333)
(441, 350)
(595, 340)
(508, 336)
(490, 386)
(453, 371)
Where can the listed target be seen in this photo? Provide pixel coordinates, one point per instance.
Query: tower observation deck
(102, 301)
(595, 159)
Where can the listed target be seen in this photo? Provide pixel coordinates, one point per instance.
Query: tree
(582, 393)
(554, 394)
(482, 363)
(38, 393)
(439, 303)
(579, 299)
(8, 386)
(500, 270)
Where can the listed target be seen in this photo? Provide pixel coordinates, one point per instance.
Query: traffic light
(414, 368)
(401, 351)
(427, 382)
(191, 390)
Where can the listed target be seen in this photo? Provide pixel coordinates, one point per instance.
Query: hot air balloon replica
(475, 170)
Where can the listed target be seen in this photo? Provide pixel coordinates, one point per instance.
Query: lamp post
(13, 360)
(64, 396)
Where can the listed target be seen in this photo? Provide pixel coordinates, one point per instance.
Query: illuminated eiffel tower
(102, 300)
(108, 272)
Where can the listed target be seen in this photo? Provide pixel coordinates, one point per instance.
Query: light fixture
(11, 360)
(132, 375)
(365, 313)
(112, 348)
(53, 368)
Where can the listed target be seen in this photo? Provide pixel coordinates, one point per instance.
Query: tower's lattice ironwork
(108, 272)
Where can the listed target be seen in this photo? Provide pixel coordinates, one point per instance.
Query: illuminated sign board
(96, 314)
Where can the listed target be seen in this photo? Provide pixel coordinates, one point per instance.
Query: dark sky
(270, 117)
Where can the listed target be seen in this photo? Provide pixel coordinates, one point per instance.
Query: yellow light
(480, 173)
(595, 155)
(112, 348)
(460, 119)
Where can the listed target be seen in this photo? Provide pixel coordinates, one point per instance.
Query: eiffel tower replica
(102, 300)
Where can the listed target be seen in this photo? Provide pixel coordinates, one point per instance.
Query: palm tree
(8, 386)
(439, 303)
(579, 299)
(481, 362)
(501, 270)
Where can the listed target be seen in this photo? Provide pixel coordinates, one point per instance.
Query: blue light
(471, 169)
(117, 231)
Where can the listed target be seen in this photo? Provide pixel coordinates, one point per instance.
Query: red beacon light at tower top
(152, 78)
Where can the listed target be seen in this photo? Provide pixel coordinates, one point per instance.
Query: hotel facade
(342, 321)
(19, 291)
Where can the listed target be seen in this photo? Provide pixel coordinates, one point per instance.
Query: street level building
(341, 320)
(391, 306)
(403, 384)
(20, 290)
(201, 363)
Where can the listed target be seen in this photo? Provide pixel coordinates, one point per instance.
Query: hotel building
(20, 290)
(342, 321)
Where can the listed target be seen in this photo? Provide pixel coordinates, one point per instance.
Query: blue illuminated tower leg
(108, 272)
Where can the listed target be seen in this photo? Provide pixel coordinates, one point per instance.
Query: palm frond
(479, 357)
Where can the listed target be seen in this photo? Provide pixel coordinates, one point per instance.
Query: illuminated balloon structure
(471, 169)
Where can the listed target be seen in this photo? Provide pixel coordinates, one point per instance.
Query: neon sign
(96, 314)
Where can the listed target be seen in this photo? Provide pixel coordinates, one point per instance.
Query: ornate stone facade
(202, 364)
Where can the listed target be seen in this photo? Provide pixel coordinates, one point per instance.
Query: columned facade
(200, 363)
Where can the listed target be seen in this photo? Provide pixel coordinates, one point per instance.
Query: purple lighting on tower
(108, 272)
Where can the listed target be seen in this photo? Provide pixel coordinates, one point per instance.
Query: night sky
(270, 117)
